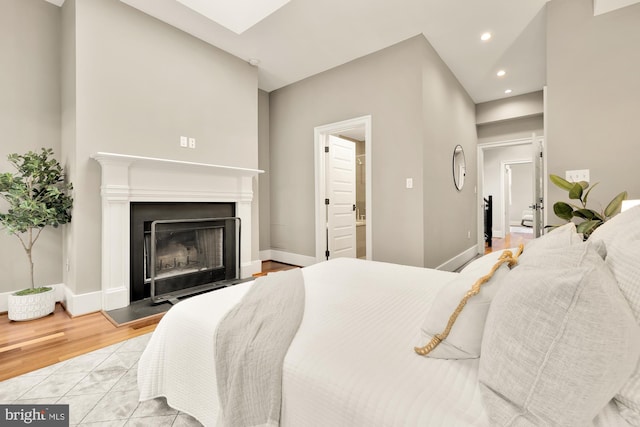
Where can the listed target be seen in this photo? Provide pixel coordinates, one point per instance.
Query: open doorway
(342, 154)
(512, 172)
(517, 196)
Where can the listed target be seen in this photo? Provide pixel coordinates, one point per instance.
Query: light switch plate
(577, 175)
(409, 182)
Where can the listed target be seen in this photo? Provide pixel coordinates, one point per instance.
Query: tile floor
(100, 388)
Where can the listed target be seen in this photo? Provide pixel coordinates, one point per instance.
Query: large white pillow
(559, 341)
(557, 238)
(465, 338)
(621, 236)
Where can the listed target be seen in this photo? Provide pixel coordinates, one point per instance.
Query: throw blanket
(251, 342)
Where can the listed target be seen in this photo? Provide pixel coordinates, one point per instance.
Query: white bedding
(350, 364)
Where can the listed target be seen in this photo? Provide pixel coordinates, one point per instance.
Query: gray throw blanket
(251, 342)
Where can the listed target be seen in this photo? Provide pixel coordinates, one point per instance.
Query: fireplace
(181, 248)
(210, 191)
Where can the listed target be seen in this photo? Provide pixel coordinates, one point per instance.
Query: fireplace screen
(183, 248)
(187, 256)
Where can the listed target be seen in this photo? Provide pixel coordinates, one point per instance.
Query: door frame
(480, 168)
(320, 135)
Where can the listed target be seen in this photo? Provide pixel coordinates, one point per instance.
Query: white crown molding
(128, 160)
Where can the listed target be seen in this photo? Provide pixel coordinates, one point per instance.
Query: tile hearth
(100, 388)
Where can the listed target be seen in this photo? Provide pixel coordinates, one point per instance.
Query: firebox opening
(181, 251)
(178, 249)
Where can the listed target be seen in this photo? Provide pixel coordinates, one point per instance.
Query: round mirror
(459, 167)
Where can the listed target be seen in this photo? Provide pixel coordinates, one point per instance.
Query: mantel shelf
(111, 158)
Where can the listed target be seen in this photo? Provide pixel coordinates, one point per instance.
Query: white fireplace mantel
(127, 179)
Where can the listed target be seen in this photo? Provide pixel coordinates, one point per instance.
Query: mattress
(351, 362)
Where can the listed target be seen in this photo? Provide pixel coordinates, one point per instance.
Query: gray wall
(510, 130)
(263, 164)
(593, 101)
(29, 119)
(515, 107)
(507, 119)
(137, 90)
(448, 119)
(401, 87)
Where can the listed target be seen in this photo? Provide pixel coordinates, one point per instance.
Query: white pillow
(559, 341)
(621, 236)
(558, 238)
(465, 338)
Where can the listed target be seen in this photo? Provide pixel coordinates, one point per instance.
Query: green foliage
(587, 219)
(37, 196)
(32, 291)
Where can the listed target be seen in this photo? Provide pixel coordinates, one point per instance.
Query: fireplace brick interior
(188, 253)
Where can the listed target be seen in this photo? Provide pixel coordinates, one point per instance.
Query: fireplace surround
(128, 179)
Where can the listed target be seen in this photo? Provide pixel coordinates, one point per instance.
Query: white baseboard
(79, 304)
(113, 298)
(251, 268)
(75, 305)
(454, 263)
(498, 233)
(287, 257)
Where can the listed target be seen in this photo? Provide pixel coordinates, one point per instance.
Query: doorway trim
(480, 168)
(320, 135)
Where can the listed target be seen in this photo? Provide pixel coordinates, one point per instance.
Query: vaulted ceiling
(305, 37)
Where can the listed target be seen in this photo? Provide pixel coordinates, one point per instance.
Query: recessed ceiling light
(508, 91)
(501, 73)
(485, 36)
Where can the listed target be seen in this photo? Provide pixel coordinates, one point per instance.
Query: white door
(506, 200)
(538, 186)
(341, 195)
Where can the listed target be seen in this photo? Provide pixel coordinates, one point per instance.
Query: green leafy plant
(587, 219)
(37, 196)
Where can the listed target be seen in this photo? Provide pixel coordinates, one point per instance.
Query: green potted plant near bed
(36, 197)
(587, 219)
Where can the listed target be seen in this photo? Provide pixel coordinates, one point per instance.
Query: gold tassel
(505, 257)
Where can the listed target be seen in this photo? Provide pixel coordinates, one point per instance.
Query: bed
(352, 361)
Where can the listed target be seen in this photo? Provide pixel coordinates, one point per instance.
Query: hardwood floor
(27, 346)
(511, 240)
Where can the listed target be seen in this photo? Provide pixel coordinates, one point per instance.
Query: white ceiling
(306, 37)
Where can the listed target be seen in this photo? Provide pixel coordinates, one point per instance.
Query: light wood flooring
(27, 346)
(511, 240)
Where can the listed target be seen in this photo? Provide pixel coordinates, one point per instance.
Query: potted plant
(588, 219)
(37, 196)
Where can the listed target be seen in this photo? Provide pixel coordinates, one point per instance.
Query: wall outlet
(409, 182)
(192, 143)
(183, 142)
(577, 175)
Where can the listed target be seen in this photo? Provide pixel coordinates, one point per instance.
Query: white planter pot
(28, 307)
